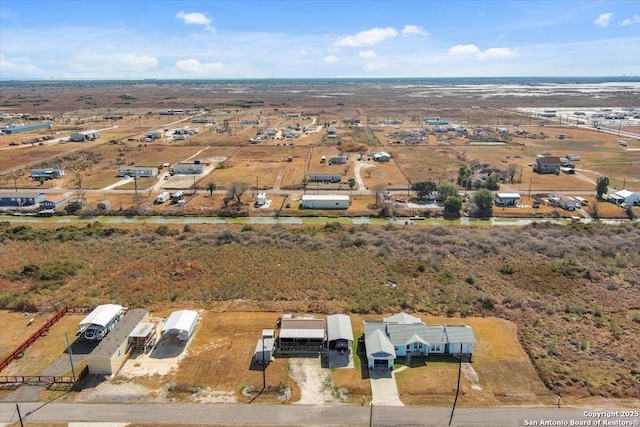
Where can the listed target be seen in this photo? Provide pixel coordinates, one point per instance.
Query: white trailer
(100, 321)
(162, 197)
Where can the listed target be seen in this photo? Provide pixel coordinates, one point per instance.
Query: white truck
(100, 321)
(162, 197)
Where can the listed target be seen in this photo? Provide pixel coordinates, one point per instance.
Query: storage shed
(181, 323)
(264, 347)
(143, 336)
(115, 348)
(325, 201)
(339, 332)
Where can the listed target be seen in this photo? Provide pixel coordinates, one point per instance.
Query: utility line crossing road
(302, 415)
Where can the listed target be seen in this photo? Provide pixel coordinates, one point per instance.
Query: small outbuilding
(181, 324)
(115, 348)
(264, 347)
(143, 337)
(54, 202)
(195, 168)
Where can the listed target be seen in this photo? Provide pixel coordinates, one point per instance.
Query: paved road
(288, 415)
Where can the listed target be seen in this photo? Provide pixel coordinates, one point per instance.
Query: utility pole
(458, 386)
(264, 367)
(73, 371)
(19, 415)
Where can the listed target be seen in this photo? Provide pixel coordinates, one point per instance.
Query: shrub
(507, 269)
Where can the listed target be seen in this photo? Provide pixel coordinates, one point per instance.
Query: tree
(378, 192)
(484, 201)
(424, 188)
(511, 171)
(352, 183)
(445, 190)
(452, 207)
(211, 187)
(491, 183)
(236, 190)
(602, 186)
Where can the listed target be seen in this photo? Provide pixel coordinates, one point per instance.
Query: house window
(408, 346)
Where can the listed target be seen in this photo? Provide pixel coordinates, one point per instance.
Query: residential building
(547, 164)
(325, 201)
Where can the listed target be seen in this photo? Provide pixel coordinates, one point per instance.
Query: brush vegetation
(573, 291)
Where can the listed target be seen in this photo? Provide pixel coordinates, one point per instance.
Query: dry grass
(45, 350)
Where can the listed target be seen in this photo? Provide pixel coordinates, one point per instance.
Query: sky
(166, 39)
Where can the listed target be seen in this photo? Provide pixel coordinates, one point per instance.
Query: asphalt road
(302, 415)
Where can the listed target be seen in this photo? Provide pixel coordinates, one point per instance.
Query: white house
(195, 168)
(325, 201)
(404, 335)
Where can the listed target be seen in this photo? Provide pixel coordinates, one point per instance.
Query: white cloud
(472, 49)
(603, 20)
(375, 66)
(367, 54)
(496, 53)
(331, 58)
(303, 52)
(113, 63)
(630, 21)
(196, 18)
(367, 38)
(413, 30)
(194, 66)
(464, 49)
(18, 66)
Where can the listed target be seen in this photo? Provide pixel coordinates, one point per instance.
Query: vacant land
(571, 290)
(437, 156)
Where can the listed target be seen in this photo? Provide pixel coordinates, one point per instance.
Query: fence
(43, 379)
(32, 339)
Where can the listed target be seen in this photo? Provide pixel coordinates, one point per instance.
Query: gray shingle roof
(378, 345)
(120, 333)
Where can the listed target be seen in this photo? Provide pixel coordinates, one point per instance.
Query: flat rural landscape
(180, 198)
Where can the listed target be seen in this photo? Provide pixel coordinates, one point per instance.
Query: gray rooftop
(339, 327)
(378, 344)
(120, 333)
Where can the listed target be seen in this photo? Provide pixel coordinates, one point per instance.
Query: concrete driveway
(384, 389)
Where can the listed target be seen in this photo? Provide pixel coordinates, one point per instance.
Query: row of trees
(482, 200)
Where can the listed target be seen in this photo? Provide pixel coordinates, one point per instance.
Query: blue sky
(91, 39)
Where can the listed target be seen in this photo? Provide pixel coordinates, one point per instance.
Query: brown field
(45, 350)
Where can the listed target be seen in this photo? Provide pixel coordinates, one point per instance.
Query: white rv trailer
(100, 321)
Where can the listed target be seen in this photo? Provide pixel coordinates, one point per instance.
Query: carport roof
(302, 328)
(339, 327)
(101, 315)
